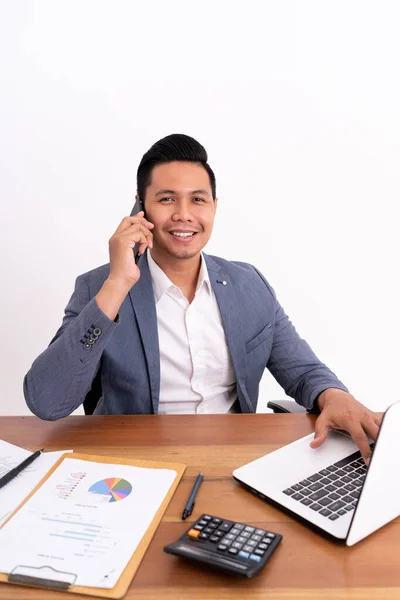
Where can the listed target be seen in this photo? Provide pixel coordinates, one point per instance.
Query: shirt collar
(162, 283)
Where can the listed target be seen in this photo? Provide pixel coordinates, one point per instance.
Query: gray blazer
(258, 332)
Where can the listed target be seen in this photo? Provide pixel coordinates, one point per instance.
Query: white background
(297, 104)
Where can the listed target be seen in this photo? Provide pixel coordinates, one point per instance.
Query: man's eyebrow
(165, 192)
(204, 192)
(161, 192)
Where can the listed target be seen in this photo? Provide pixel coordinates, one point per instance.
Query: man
(180, 331)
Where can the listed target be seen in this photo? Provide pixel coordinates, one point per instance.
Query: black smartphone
(138, 206)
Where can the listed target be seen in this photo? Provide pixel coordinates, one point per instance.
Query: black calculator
(226, 545)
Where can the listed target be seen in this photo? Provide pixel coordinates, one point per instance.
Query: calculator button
(262, 546)
(216, 520)
(235, 531)
(222, 547)
(245, 534)
(230, 536)
(225, 526)
(243, 554)
(259, 552)
(256, 538)
(252, 543)
(241, 539)
(260, 532)
(203, 536)
(249, 529)
(255, 557)
(194, 533)
(202, 522)
(208, 530)
(237, 545)
(233, 551)
(199, 527)
(219, 533)
(207, 517)
(271, 535)
(214, 538)
(212, 525)
(248, 548)
(226, 542)
(266, 541)
(239, 526)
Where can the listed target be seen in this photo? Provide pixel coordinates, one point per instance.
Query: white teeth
(183, 235)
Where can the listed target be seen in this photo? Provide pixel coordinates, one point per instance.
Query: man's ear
(216, 204)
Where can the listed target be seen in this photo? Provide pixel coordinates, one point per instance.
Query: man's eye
(198, 199)
(166, 199)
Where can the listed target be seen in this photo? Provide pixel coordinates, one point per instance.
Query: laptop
(330, 488)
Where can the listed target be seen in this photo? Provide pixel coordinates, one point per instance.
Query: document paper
(14, 492)
(87, 518)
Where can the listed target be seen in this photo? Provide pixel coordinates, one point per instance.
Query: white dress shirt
(196, 370)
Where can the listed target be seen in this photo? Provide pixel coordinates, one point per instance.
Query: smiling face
(180, 204)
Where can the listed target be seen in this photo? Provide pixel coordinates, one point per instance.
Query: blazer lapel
(228, 304)
(142, 299)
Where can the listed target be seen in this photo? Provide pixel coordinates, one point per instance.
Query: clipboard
(47, 577)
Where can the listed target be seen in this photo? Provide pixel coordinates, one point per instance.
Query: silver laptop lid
(379, 502)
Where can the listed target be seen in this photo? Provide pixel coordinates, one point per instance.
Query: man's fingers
(128, 221)
(321, 431)
(148, 242)
(371, 428)
(360, 438)
(142, 248)
(377, 417)
(139, 234)
(147, 223)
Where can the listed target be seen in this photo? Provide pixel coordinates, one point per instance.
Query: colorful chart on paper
(115, 487)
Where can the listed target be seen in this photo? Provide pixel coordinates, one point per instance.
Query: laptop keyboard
(333, 491)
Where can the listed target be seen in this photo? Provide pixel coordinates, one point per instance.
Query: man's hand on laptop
(340, 410)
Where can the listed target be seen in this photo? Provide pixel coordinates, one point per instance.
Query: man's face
(180, 204)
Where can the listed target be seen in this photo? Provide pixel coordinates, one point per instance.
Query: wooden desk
(304, 566)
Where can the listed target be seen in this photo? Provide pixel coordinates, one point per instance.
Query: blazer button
(92, 337)
(97, 331)
(87, 346)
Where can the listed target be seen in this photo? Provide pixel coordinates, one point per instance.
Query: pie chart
(116, 488)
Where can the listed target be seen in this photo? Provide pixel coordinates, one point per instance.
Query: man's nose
(182, 212)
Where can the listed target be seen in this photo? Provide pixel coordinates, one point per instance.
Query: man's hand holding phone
(132, 231)
(124, 273)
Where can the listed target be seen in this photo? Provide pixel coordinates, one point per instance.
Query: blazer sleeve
(294, 365)
(62, 375)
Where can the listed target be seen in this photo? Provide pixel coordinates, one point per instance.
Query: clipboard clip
(25, 575)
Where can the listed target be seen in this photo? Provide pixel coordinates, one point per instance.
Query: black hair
(174, 147)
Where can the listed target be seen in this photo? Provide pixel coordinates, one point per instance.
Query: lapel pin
(223, 282)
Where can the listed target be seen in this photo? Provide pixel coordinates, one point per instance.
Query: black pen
(16, 470)
(187, 511)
